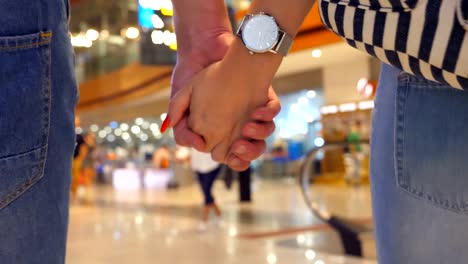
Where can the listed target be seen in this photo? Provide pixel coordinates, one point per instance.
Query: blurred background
(136, 197)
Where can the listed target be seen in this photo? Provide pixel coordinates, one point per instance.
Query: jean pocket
(430, 142)
(25, 97)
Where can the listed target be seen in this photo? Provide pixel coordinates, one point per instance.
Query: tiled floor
(160, 226)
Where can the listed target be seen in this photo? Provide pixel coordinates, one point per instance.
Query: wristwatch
(260, 33)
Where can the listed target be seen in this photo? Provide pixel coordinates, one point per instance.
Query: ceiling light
(157, 21)
(102, 134)
(105, 34)
(369, 90)
(154, 127)
(124, 126)
(319, 142)
(365, 105)
(330, 109)
(152, 4)
(81, 41)
(157, 36)
(271, 258)
(92, 34)
(349, 107)
(118, 132)
(166, 8)
(94, 128)
(169, 38)
(136, 130)
(132, 33)
(311, 94)
(317, 53)
(139, 121)
(310, 254)
(145, 125)
(125, 136)
(361, 85)
(111, 138)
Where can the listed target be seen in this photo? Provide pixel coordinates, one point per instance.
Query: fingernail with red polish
(165, 124)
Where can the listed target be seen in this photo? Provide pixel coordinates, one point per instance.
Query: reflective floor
(160, 226)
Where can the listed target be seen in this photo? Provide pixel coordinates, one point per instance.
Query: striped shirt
(423, 37)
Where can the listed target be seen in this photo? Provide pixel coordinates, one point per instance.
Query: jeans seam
(399, 127)
(399, 141)
(46, 87)
(25, 186)
(45, 39)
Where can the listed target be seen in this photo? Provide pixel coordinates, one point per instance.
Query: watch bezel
(274, 44)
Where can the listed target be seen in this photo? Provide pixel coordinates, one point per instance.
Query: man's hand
(211, 47)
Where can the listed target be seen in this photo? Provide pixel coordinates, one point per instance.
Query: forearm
(289, 14)
(197, 20)
(262, 67)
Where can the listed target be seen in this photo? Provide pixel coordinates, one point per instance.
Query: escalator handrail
(304, 177)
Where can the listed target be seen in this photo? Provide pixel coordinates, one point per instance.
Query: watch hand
(259, 38)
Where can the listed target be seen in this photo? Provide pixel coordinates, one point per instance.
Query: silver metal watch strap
(284, 44)
(285, 40)
(241, 24)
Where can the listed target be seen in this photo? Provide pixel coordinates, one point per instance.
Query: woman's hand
(211, 46)
(220, 100)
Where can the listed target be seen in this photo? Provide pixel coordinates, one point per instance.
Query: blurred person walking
(207, 171)
(162, 158)
(88, 167)
(78, 157)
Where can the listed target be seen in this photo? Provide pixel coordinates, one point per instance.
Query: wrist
(250, 75)
(257, 69)
(204, 47)
(196, 36)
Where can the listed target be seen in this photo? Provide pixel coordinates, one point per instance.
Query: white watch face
(260, 33)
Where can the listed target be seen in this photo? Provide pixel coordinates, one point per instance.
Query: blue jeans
(37, 98)
(419, 170)
(206, 181)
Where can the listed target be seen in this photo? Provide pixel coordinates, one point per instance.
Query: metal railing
(348, 230)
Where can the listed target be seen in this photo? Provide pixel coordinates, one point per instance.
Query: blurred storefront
(125, 51)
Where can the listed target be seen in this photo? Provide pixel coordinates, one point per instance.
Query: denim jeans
(419, 170)
(38, 94)
(206, 181)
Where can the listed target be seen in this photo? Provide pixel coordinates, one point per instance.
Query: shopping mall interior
(136, 199)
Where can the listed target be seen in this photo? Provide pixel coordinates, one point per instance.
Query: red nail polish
(165, 124)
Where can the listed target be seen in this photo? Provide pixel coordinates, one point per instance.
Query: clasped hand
(211, 105)
(219, 103)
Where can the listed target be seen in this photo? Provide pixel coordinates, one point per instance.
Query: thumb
(179, 105)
